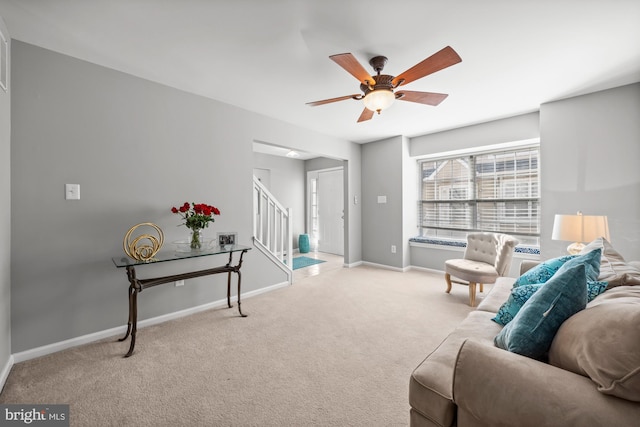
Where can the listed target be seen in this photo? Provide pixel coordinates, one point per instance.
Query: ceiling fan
(378, 91)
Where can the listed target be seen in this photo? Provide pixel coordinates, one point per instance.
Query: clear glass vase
(196, 238)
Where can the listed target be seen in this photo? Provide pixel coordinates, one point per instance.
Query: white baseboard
(427, 269)
(353, 264)
(4, 374)
(120, 330)
(386, 267)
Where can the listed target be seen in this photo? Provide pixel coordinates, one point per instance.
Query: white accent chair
(487, 257)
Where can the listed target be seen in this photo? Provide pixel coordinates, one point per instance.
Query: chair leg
(481, 287)
(447, 277)
(472, 294)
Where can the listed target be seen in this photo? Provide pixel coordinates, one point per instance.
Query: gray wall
(136, 148)
(287, 184)
(382, 223)
(320, 163)
(353, 210)
(517, 128)
(410, 191)
(5, 221)
(590, 149)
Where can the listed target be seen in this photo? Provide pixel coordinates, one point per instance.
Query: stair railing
(272, 226)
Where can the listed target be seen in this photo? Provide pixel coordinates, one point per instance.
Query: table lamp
(579, 229)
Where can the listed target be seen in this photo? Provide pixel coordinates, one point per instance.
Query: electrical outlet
(393, 249)
(179, 282)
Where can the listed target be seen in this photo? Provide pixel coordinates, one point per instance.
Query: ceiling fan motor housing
(383, 82)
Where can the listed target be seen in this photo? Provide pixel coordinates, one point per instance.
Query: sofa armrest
(526, 265)
(494, 387)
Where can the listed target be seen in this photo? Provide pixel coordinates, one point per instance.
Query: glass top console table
(137, 285)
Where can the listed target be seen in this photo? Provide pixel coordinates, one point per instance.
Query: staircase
(272, 232)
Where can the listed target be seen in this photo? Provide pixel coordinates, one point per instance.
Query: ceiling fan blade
(436, 62)
(328, 101)
(353, 67)
(366, 115)
(429, 98)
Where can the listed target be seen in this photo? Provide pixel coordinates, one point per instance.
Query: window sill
(522, 251)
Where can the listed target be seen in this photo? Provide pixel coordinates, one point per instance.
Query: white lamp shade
(379, 99)
(580, 228)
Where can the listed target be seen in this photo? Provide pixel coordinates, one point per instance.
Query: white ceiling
(272, 56)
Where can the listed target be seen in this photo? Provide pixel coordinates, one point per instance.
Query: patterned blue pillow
(594, 289)
(543, 271)
(521, 294)
(531, 331)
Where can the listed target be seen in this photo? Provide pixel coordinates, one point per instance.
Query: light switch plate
(382, 199)
(72, 191)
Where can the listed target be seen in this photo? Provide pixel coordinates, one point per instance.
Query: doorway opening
(325, 210)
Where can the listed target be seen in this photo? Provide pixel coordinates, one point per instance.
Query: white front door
(331, 211)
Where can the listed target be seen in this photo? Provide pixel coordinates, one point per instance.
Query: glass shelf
(173, 255)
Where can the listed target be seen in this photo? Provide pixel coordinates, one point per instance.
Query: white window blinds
(493, 191)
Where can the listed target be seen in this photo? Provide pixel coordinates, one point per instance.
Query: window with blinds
(492, 191)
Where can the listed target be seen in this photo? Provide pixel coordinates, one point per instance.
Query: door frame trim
(307, 202)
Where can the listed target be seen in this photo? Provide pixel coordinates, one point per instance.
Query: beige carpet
(332, 350)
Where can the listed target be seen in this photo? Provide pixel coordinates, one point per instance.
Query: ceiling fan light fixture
(379, 99)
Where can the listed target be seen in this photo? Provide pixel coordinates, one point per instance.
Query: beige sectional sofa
(591, 376)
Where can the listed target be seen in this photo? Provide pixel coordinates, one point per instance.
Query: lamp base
(575, 248)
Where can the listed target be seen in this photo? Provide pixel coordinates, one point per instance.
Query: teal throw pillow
(591, 261)
(532, 329)
(521, 294)
(543, 271)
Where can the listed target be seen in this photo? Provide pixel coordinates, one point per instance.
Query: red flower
(196, 215)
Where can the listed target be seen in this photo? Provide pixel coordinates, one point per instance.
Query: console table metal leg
(229, 290)
(134, 323)
(130, 320)
(239, 310)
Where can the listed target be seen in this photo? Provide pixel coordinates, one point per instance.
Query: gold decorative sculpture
(145, 246)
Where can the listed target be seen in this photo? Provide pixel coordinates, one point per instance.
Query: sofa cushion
(613, 267)
(531, 331)
(542, 272)
(603, 343)
(521, 294)
(471, 271)
(497, 295)
(431, 383)
(493, 387)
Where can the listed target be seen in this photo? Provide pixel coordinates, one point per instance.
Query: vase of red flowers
(197, 217)
(195, 240)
